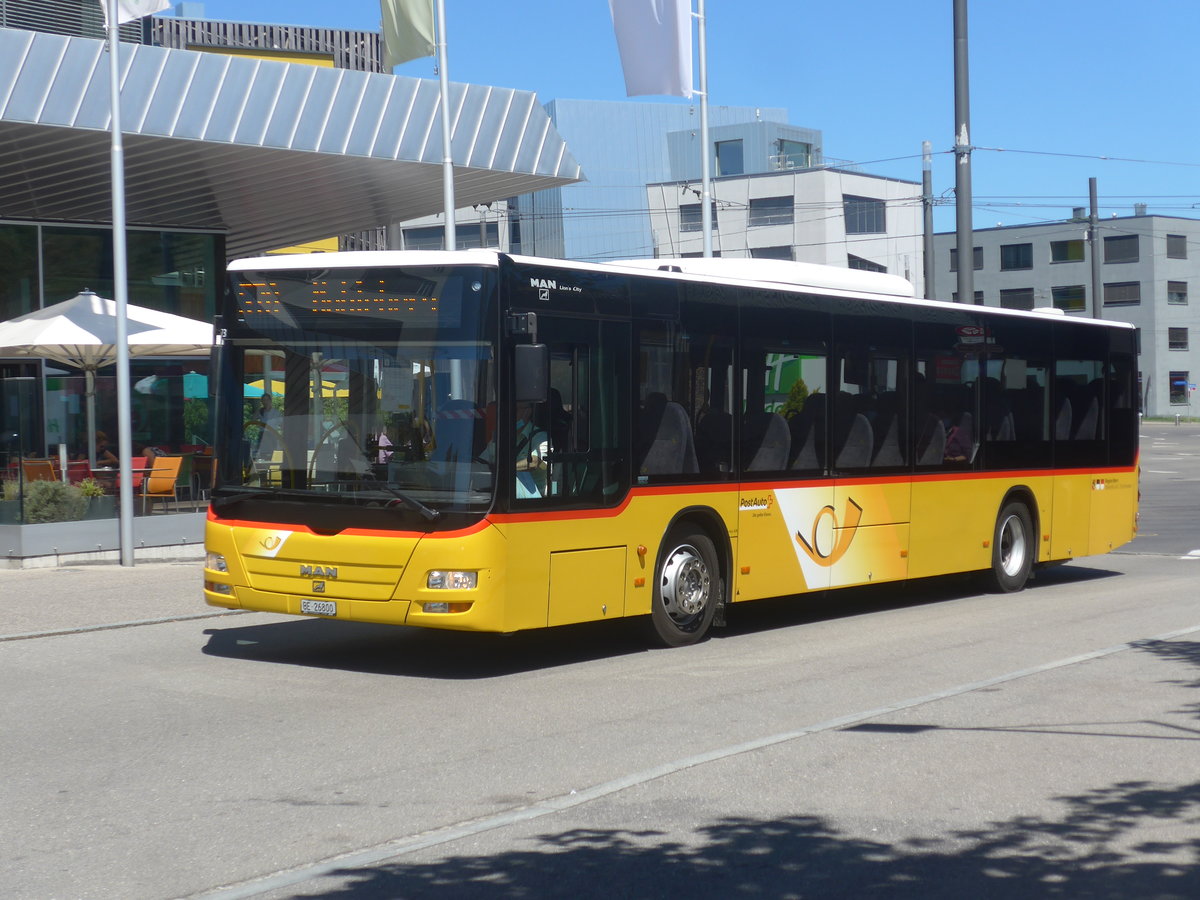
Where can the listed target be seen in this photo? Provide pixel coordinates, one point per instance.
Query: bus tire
(687, 587)
(1012, 548)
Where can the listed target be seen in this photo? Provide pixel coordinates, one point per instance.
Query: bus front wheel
(687, 587)
(1012, 548)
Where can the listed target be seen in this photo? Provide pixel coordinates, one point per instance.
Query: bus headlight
(450, 580)
(216, 562)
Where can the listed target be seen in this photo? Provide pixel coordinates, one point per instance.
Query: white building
(829, 216)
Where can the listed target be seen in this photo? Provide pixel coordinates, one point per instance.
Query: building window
(1016, 256)
(1177, 293)
(19, 272)
(772, 211)
(466, 236)
(976, 258)
(794, 155)
(1017, 298)
(690, 216)
(1179, 387)
(771, 252)
(730, 158)
(1176, 246)
(863, 265)
(1122, 293)
(1121, 249)
(978, 297)
(1070, 298)
(1066, 251)
(1177, 339)
(864, 215)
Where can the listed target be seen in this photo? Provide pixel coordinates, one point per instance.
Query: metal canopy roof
(272, 153)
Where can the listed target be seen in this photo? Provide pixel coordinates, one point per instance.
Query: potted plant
(10, 502)
(100, 505)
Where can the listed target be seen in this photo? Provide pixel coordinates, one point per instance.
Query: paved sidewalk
(68, 598)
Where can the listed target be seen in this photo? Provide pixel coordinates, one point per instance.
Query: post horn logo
(271, 541)
(843, 534)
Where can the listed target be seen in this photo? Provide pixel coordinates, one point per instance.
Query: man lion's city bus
(702, 432)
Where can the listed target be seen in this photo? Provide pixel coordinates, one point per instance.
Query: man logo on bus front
(843, 533)
(318, 571)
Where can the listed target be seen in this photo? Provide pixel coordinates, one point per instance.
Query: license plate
(319, 607)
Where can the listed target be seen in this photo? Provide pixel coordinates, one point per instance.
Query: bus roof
(779, 273)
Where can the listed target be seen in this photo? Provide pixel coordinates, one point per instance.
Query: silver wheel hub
(1012, 546)
(686, 583)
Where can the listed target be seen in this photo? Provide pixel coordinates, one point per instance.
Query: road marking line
(84, 629)
(449, 833)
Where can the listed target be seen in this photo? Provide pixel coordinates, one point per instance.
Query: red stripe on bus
(667, 490)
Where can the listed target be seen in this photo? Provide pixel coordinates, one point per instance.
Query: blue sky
(1065, 82)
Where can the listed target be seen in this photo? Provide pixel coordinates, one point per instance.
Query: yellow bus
(484, 442)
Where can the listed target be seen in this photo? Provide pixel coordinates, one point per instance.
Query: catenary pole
(705, 166)
(120, 295)
(1095, 246)
(964, 239)
(927, 211)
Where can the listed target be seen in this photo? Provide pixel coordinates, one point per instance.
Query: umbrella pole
(90, 377)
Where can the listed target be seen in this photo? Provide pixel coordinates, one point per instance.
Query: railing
(784, 162)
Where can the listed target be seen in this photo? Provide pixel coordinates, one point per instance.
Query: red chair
(78, 470)
(135, 462)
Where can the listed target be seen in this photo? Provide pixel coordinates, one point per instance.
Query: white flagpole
(447, 155)
(120, 294)
(705, 174)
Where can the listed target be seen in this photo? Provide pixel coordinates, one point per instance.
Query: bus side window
(1081, 423)
(870, 411)
(944, 402)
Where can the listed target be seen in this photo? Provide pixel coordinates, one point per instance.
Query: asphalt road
(917, 741)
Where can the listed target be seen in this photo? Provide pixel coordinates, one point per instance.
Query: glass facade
(44, 405)
(18, 270)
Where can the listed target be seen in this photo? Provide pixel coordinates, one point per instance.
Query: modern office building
(226, 154)
(818, 215)
(623, 146)
(1148, 264)
(775, 194)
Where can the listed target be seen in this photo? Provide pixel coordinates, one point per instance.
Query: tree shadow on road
(1178, 651)
(1130, 840)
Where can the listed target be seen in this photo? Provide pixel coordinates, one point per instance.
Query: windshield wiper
(427, 512)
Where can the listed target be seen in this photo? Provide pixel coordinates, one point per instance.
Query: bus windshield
(367, 391)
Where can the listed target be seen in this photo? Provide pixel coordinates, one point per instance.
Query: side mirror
(531, 373)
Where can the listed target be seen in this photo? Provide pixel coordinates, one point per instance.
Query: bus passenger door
(587, 421)
(869, 450)
(786, 529)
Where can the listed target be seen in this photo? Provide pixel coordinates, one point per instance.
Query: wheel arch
(1024, 494)
(710, 522)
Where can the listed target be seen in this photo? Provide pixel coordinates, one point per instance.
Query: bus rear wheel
(687, 588)
(1012, 548)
